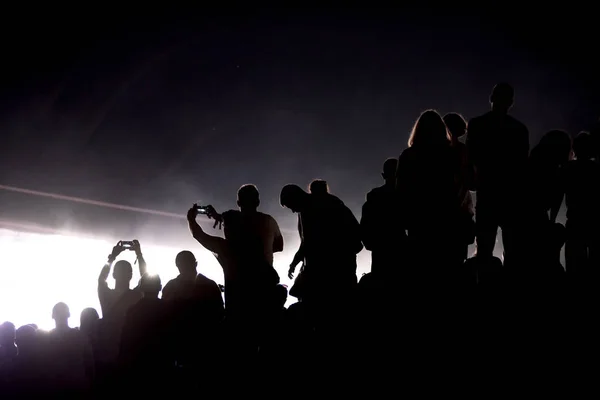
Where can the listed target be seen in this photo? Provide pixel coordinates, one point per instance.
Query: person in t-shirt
(116, 302)
(249, 221)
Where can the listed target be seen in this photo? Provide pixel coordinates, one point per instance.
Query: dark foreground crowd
(425, 319)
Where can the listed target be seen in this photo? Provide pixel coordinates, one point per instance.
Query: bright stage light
(39, 270)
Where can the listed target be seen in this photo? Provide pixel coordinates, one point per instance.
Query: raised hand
(136, 247)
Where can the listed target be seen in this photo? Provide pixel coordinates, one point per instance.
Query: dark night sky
(162, 112)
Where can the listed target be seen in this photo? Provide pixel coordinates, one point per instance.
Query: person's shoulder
(479, 119)
(375, 192)
(517, 125)
(204, 280)
(170, 285)
(407, 154)
(268, 218)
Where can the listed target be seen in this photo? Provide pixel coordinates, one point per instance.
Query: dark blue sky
(163, 111)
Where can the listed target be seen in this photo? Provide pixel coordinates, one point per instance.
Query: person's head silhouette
(7, 334)
(26, 339)
(502, 97)
(318, 187)
(389, 170)
(122, 273)
(293, 197)
(281, 295)
(555, 147)
(88, 319)
(248, 198)
(186, 263)
(583, 146)
(61, 315)
(429, 130)
(150, 285)
(456, 124)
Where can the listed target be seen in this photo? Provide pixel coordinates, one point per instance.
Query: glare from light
(39, 270)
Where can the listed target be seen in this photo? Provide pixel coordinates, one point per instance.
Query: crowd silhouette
(426, 316)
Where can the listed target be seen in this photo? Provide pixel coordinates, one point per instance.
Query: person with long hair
(429, 184)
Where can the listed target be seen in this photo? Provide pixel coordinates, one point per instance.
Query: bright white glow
(39, 270)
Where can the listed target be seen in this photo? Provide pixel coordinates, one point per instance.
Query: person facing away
(115, 303)
(70, 354)
(542, 200)
(249, 224)
(183, 286)
(382, 231)
(498, 150)
(320, 189)
(247, 270)
(429, 185)
(330, 238)
(582, 197)
(8, 348)
(144, 338)
(88, 322)
(457, 128)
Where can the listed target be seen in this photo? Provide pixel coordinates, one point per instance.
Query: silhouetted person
(183, 286)
(320, 188)
(457, 127)
(581, 178)
(70, 355)
(194, 303)
(248, 221)
(541, 203)
(145, 346)
(116, 302)
(8, 348)
(88, 322)
(28, 373)
(545, 184)
(497, 148)
(331, 240)
(430, 184)
(382, 230)
(245, 254)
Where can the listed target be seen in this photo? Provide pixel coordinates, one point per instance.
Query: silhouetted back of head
(554, 147)
(429, 130)
(281, 294)
(583, 146)
(7, 334)
(87, 319)
(318, 187)
(456, 124)
(60, 312)
(389, 169)
(502, 97)
(186, 262)
(25, 337)
(292, 197)
(122, 271)
(150, 285)
(248, 197)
